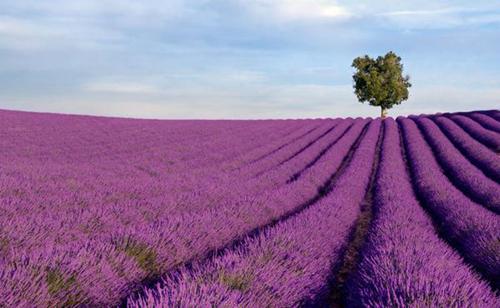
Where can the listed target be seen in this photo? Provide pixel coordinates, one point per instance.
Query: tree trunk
(383, 113)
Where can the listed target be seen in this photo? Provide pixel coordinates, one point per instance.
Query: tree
(380, 81)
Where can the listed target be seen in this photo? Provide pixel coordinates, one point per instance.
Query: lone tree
(380, 81)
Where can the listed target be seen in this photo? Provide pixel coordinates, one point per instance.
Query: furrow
(495, 114)
(477, 153)
(351, 256)
(228, 236)
(274, 161)
(489, 138)
(310, 154)
(465, 176)
(258, 141)
(282, 266)
(299, 161)
(306, 146)
(486, 121)
(341, 134)
(467, 226)
(285, 144)
(404, 263)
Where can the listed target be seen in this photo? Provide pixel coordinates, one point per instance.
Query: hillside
(267, 213)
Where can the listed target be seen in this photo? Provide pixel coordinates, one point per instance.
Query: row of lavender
(93, 230)
(64, 227)
(470, 227)
(99, 250)
(283, 265)
(404, 261)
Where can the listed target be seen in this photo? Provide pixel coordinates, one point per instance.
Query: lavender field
(106, 212)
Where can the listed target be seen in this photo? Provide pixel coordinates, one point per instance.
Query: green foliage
(57, 282)
(4, 245)
(380, 81)
(145, 256)
(239, 282)
(63, 288)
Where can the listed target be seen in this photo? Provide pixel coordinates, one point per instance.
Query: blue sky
(242, 59)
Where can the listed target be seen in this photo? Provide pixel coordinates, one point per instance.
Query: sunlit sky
(242, 59)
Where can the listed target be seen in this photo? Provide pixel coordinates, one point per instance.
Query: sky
(236, 59)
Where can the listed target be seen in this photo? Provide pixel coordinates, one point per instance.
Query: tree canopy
(380, 81)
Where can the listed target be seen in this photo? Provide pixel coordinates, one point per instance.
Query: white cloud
(310, 9)
(21, 34)
(27, 29)
(96, 7)
(49, 33)
(121, 87)
(81, 24)
(421, 12)
(484, 19)
(300, 9)
(439, 18)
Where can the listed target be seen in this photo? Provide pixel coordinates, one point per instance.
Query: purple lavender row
(291, 156)
(267, 138)
(57, 216)
(485, 120)
(276, 202)
(255, 143)
(266, 150)
(273, 149)
(221, 186)
(283, 266)
(155, 241)
(168, 185)
(85, 162)
(489, 138)
(460, 171)
(404, 263)
(312, 153)
(126, 135)
(196, 201)
(279, 202)
(476, 152)
(290, 151)
(270, 155)
(47, 136)
(269, 148)
(472, 229)
(493, 113)
(220, 145)
(269, 181)
(331, 160)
